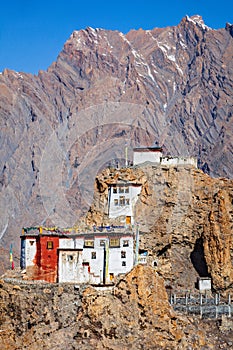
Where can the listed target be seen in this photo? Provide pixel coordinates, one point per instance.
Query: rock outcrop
(185, 219)
(135, 315)
(59, 128)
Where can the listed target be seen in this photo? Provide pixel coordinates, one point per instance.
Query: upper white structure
(122, 199)
(155, 155)
(147, 154)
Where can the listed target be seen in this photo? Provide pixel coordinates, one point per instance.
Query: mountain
(172, 86)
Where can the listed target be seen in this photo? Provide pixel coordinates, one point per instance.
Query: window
(115, 202)
(125, 243)
(123, 263)
(121, 189)
(88, 243)
(31, 242)
(126, 189)
(122, 200)
(114, 242)
(70, 257)
(114, 190)
(49, 245)
(102, 242)
(127, 201)
(93, 255)
(123, 255)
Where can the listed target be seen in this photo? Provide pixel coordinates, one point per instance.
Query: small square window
(115, 202)
(123, 255)
(114, 190)
(126, 189)
(125, 243)
(70, 257)
(123, 263)
(102, 242)
(49, 245)
(127, 201)
(121, 189)
(31, 242)
(93, 255)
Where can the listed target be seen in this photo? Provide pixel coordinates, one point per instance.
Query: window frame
(49, 245)
(93, 255)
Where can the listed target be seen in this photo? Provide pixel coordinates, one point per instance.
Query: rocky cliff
(58, 129)
(185, 220)
(134, 315)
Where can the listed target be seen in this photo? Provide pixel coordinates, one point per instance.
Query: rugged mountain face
(185, 220)
(170, 85)
(135, 315)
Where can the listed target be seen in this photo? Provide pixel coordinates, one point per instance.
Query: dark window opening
(125, 243)
(122, 200)
(123, 263)
(114, 189)
(123, 255)
(93, 255)
(121, 189)
(70, 257)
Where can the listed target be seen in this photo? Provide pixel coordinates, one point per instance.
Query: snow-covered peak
(197, 20)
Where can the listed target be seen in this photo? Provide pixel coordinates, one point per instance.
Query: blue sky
(32, 33)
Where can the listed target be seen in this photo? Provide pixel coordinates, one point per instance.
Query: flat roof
(87, 235)
(148, 149)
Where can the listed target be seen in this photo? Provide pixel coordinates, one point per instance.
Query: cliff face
(171, 85)
(136, 315)
(185, 219)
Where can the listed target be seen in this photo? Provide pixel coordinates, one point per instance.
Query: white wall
(115, 260)
(73, 270)
(142, 157)
(179, 161)
(30, 251)
(70, 268)
(127, 209)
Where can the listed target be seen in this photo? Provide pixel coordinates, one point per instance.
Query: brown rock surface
(185, 219)
(135, 316)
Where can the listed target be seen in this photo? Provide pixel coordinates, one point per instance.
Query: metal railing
(205, 305)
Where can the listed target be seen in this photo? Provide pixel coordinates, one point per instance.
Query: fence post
(216, 311)
(229, 310)
(174, 298)
(229, 299)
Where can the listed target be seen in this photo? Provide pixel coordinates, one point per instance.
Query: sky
(32, 33)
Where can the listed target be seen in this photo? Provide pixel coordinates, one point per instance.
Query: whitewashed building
(122, 197)
(147, 154)
(155, 155)
(95, 258)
